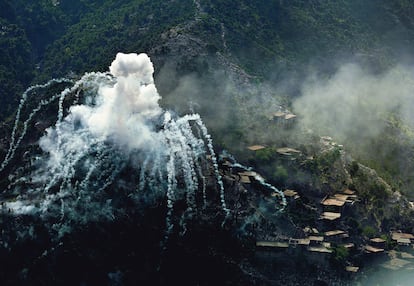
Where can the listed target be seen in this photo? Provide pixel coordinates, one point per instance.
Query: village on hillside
(329, 238)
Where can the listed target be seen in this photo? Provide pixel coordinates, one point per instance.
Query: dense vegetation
(59, 36)
(235, 63)
(269, 39)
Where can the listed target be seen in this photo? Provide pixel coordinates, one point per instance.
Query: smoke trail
(214, 160)
(170, 190)
(142, 181)
(13, 145)
(258, 178)
(114, 129)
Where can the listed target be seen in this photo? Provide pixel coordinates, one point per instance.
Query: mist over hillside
(223, 129)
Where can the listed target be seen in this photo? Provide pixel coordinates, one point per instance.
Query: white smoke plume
(121, 112)
(116, 124)
(355, 103)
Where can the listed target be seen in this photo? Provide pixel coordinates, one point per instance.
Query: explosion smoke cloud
(116, 127)
(99, 134)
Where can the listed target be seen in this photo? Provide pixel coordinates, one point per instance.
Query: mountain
(313, 96)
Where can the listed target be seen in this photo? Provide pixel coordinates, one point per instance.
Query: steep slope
(241, 65)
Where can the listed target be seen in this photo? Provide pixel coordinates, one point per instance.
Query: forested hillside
(79, 35)
(260, 125)
(272, 41)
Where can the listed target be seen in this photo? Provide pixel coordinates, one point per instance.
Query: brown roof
(333, 202)
(398, 235)
(334, 232)
(377, 240)
(371, 249)
(330, 215)
(287, 151)
(341, 197)
(349, 192)
(256, 147)
(290, 193)
(245, 179)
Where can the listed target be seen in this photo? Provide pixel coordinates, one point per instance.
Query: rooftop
(352, 269)
(290, 116)
(330, 215)
(377, 240)
(326, 244)
(245, 179)
(341, 197)
(303, 241)
(403, 241)
(349, 192)
(334, 232)
(332, 202)
(248, 173)
(398, 235)
(275, 244)
(349, 245)
(284, 115)
(371, 249)
(256, 147)
(314, 230)
(315, 238)
(308, 229)
(287, 151)
(290, 193)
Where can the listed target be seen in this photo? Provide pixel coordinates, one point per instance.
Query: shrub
(353, 170)
(340, 254)
(281, 174)
(369, 231)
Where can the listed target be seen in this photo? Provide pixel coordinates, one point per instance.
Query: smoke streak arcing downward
(115, 126)
(261, 181)
(13, 142)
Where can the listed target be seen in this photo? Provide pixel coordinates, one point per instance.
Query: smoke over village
(206, 142)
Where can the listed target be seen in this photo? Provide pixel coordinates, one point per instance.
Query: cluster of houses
(319, 246)
(333, 205)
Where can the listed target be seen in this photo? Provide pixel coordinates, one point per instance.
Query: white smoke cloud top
(122, 112)
(354, 102)
(126, 107)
